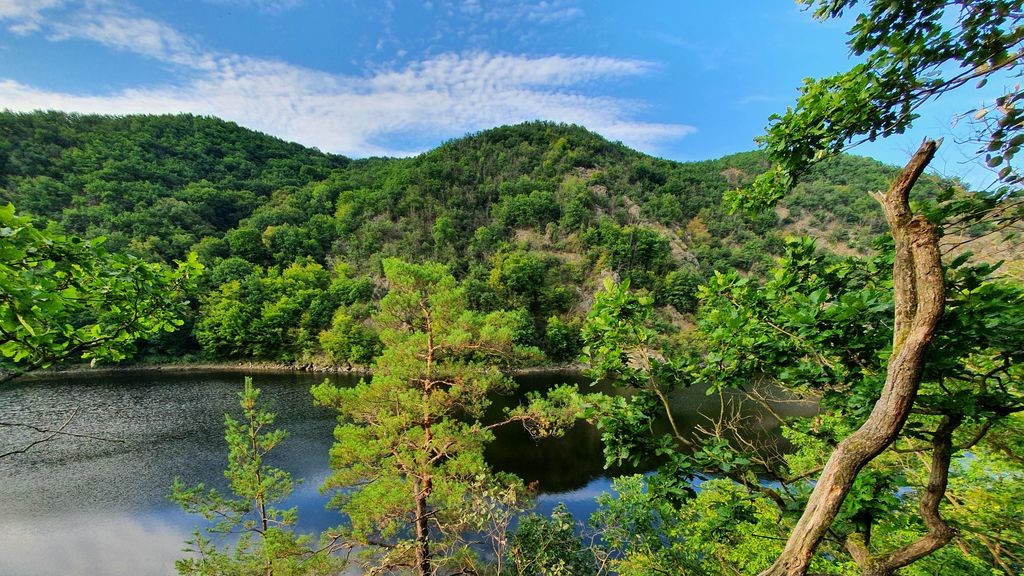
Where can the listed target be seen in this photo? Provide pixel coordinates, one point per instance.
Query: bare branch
(51, 433)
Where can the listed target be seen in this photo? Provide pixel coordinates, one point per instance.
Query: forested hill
(530, 216)
(151, 184)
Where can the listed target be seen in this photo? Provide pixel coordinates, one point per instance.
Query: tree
(913, 52)
(64, 298)
(817, 327)
(348, 341)
(277, 313)
(266, 544)
(680, 289)
(550, 546)
(822, 328)
(919, 299)
(408, 450)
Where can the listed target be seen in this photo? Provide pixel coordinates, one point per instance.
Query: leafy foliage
(279, 313)
(816, 327)
(724, 529)
(266, 543)
(407, 465)
(64, 298)
(532, 215)
(550, 546)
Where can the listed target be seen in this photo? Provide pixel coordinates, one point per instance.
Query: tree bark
(423, 485)
(939, 533)
(919, 294)
(423, 561)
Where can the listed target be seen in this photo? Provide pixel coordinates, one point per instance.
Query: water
(79, 506)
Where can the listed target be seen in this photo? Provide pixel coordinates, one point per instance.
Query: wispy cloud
(537, 12)
(135, 34)
(709, 58)
(25, 16)
(758, 99)
(112, 24)
(488, 72)
(422, 101)
(265, 6)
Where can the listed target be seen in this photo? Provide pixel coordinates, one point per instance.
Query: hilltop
(531, 217)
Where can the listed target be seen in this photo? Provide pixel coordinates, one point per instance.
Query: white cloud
(537, 12)
(490, 72)
(26, 15)
(266, 6)
(425, 101)
(109, 23)
(101, 544)
(140, 35)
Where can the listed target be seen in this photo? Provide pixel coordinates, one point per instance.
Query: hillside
(530, 216)
(152, 184)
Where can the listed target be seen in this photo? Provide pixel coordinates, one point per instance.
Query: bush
(680, 289)
(563, 341)
(550, 546)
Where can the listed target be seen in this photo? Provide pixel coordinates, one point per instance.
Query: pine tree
(408, 461)
(267, 544)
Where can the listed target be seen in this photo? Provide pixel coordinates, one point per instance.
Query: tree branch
(919, 293)
(939, 533)
(51, 434)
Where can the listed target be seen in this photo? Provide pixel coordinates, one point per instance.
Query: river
(81, 506)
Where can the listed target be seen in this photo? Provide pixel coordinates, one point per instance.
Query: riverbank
(263, 367)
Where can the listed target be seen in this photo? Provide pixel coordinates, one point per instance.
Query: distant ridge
(530, 216)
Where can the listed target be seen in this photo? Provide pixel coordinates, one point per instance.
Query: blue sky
(679, 79)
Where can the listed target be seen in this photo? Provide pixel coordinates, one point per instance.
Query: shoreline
(256, 366)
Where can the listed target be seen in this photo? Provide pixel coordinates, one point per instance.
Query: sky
(679, 79)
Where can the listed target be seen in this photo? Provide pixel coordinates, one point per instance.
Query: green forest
(889, 297)
(531, 217)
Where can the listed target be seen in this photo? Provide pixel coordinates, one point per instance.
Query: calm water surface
(76, 506)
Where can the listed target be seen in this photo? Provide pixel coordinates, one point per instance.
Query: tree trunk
(423, 562)
(423, 484)
(919, 294)
(939, 533)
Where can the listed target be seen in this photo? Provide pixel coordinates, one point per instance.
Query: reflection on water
(79, 506)
(89, 544)
(166, 425)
